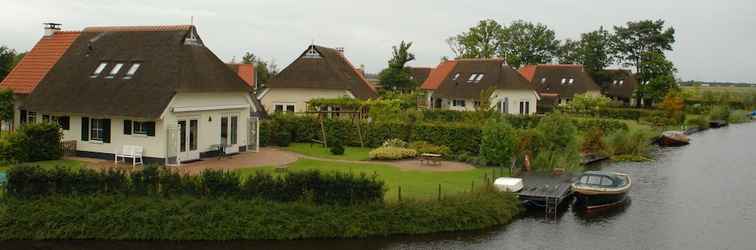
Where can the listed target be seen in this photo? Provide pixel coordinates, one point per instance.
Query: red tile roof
(437, 76)
(35, 65)
(245, 71)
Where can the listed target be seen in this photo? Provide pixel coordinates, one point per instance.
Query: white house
(461, 84)
(157, 87)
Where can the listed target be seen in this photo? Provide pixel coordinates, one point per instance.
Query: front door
(188, 131)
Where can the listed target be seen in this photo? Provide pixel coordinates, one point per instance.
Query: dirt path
(271, 156)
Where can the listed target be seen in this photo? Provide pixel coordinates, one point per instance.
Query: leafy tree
(397, 76)
(498, 142)
(657, 75)
(481, 41)
(596, 50)
(635, 39)
(485, 99)
(6, 105)
(519, 43)
(569, 52)
(264, 70)
(18, 58)
(7, 57)
(528, 43)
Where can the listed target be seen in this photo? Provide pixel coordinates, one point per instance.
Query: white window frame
(31, 117)
(458, 103)
(284, 107)
(114, 71)
(100, 130)
(140, 130)
(101, 67)
(132, 70)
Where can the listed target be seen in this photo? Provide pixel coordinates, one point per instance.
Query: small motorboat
(674, 139)
(717, 123)
(598, 189)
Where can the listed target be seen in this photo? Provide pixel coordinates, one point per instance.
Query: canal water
(702, 196)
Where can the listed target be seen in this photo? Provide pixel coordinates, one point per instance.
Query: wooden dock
(546, 192)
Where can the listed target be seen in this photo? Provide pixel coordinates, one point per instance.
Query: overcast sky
(715, 39)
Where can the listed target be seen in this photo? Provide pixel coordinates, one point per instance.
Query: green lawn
(414, 184)
(73, 164)
(315, 150)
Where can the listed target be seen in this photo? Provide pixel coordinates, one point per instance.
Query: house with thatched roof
(465, 84)
(319, 72)
(619, 85)
(158, 88)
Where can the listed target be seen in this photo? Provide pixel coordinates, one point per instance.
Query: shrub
(396, 143)
(116, 217)
(585, 102)
(282, 138)
(423, 147)
(700, 121)
(337, 149)
(34, 142)
(719, 112)
(392, 153)
(635, 142)
(739, 116)
(593, 141)
(559, 145)
(28, 181)
(498, 142)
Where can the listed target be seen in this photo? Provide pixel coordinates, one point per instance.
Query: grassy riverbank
(188, 218)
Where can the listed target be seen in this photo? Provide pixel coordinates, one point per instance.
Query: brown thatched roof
(173, 60)
(619, 83)
(328, 69)
(563, 79)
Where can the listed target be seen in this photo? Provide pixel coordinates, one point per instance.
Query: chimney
(340, 50)
(51, 28)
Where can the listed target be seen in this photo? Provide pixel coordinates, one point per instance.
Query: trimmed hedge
(117, 217)
(460, 138)
(30, 182)
(621, 113)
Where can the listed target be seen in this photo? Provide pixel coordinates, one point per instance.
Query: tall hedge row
(118, 217)
(460, 137)
(32, 142)
(27, 181)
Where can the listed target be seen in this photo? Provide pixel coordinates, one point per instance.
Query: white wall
(514, 97)
(298, 96)
(209, 120)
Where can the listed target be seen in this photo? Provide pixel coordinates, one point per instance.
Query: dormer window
(99, 70)
(475, 78)
(114, 70)
(543, 80)
(564, 80)
(312, 53)
(572, 80)
(614, 82)
(456, 76)
(132, 70)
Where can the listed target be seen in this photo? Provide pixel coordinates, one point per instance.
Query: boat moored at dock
(598, 189)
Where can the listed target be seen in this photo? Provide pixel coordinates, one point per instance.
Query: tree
(657, 75)
(528, 43)
(264, 70)
(397, 76)
(7, 57)
(6, 105)
(498, 143)
(635, 39)
(481, 41)
(596, 50)
(569, 52)
(559, 145)
(519, 43)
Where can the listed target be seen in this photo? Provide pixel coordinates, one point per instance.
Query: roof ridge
(138, 28)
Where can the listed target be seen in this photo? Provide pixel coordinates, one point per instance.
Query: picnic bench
(430, 159)
(130, 151)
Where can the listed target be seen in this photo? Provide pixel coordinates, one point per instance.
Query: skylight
(99, 69)
(456, 76)
(564, 80)
(572, 80)
(543, 80)
(132, 70)
(472, 77)
(480, 77)
(115, 70)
